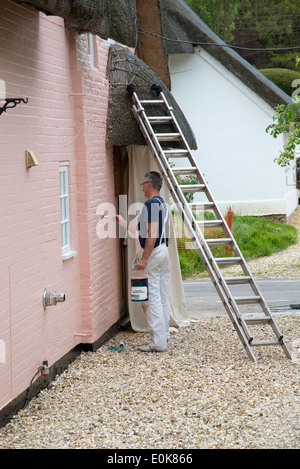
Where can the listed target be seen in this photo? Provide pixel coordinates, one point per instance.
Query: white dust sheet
(141, 160)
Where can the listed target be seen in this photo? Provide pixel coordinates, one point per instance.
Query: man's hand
(141, 264)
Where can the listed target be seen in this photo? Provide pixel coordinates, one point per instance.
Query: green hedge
(283, 78)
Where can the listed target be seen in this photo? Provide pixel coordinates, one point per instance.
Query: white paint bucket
(139, 286)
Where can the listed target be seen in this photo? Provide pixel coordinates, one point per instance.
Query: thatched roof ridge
(179, 22)
(125, 68)
(115, 19)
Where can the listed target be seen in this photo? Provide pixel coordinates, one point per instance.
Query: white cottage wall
(235, 153)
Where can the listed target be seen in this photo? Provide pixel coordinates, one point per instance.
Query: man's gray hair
(155, 178)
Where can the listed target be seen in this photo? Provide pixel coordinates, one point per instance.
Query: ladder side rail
(263, 304)
(150, 136)
(227, 231)
(235, 321)
(209, 195)
(195, 164)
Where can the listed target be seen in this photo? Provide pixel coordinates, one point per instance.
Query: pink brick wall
(65, 120)
(104, 253)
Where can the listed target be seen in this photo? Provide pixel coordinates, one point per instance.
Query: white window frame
(91, 49)
(65, 210)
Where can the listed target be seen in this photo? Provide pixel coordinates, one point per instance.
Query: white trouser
(157, 308)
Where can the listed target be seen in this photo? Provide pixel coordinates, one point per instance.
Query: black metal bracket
(131, 89)
(11, 102)
(157, 88)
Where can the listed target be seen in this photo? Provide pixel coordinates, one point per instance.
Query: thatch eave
(125, 68)
(115, 19)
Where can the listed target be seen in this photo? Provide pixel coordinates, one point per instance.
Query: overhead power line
(195, 43)
(255, 18)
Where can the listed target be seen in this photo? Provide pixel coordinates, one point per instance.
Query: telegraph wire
(195, 43)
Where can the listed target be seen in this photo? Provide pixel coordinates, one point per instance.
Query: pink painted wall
(64, 120)
(101, 290)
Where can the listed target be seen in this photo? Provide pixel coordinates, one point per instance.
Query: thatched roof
(115, 19)
(172, 19)
(125, 68)
(180, 23)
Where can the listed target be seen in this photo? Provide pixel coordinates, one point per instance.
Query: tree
(217, 14)
(271, 24)
(255, 24)
(287, 120)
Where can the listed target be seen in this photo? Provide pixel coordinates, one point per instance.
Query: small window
(64, 211)
(91, 49)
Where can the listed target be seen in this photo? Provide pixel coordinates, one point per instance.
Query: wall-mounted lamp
(30, 159)
(52, 298)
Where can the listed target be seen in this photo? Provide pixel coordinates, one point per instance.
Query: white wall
(234, 151)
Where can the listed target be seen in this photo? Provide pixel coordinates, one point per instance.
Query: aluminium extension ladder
(162, 146)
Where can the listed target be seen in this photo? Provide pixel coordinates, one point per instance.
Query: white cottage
(229, 105)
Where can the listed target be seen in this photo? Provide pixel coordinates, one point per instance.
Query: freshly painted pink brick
(43, 61)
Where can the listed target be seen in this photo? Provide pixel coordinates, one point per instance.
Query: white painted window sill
(69, 255)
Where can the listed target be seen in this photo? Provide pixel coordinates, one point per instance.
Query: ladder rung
(237, 280)
(193, 187)
(258, 320)
(167, 136)
(227, 260)
(151, 101)
(201, 206)
(265, 342)
(210, 223)
(159, 119)
(247, 300)
(219, 242)
(184, 171)
(176, 153)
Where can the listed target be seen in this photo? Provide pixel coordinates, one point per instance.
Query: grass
(256, 237)
(259, 237)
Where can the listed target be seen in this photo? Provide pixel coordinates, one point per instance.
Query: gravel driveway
(202, 393)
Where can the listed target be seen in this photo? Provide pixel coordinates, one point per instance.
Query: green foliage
(256, 237)
(283, 78)
(256, 24)
(259, 237)
(190, 264)
(269, 24)
(187, 180)
(217, 14)
(287, 119)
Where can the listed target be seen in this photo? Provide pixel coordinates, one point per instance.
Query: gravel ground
(204, 392)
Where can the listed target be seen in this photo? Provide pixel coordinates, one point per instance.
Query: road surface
(202, 299)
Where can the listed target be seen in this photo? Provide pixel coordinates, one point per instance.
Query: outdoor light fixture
(30, 159)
